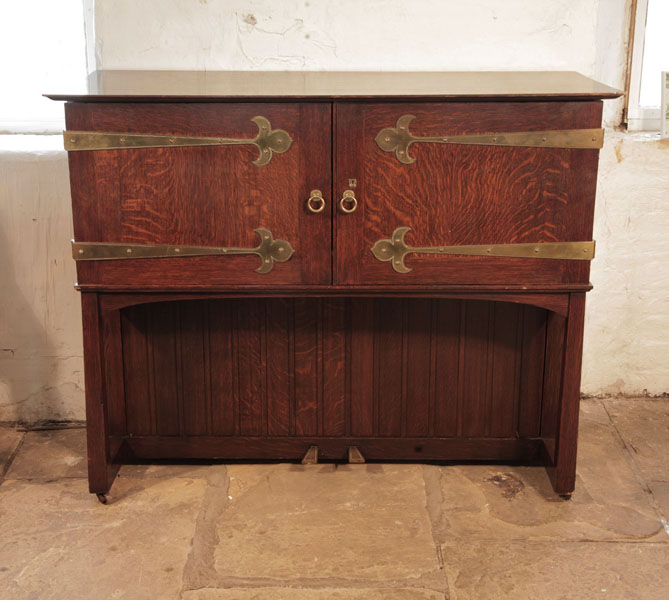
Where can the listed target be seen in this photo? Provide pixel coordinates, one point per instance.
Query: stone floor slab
(358, 522)
(518, 503)
(323, 594)
(10, 438)
(151, 471)
(50, 455)
(482, 570)
(58, 542)
(660, 491)
(644, 425)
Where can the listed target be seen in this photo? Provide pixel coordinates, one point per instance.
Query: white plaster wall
(391, 35)
(628, 312)
(41, 367)
(626, 347)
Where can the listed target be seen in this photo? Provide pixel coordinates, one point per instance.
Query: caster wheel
(565, 496)
(102, 498)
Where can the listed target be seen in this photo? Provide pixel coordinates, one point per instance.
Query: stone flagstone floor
(325, 532)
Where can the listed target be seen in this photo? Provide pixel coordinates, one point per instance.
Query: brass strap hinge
(395, 249)
(269, 251)
(267, 141)
(398, 139)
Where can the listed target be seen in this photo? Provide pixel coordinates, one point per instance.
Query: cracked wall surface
(588, 36)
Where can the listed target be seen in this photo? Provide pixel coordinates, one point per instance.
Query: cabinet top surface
(323, 85)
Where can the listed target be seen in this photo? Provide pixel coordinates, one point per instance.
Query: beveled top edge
(323, 85)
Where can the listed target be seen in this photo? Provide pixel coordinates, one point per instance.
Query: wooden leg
(562, 468)
(101, 470)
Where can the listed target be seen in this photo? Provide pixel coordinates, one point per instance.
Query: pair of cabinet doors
(219, 195)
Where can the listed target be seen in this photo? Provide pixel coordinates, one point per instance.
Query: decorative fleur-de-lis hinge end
(269, 251)
(395, 249)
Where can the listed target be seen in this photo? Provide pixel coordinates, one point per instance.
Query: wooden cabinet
(390, 263)
(201, 195)
(464, 194)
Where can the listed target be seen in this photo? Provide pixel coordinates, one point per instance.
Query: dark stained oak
(333, 448)
(333, 366)
(225, 86)
(463, 358)
(458, 195)
(202, 196)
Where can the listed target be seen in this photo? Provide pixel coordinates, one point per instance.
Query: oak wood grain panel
(113, 352)
(447, 343)
(532, 373)
(456, 195)
(505, 374)
(334, 380)
(250, 341)
(162, 330)
(280, 383)
(321, 367)
(388, 367)
(308, 366)
(475, 369)
(334, 448)
(233, 86)
(140, 416)
(202, 195)
(563, 470)
(222, 364)
(101, 452)
(550, 406)
(419, 361)
(555, 331)
(195, 372)
(362, 367)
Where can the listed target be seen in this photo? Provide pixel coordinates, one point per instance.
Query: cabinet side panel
(113, 352)
(555, 333)
(532, 380)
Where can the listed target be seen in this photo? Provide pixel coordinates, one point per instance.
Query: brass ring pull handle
(269, 251)
(267, 141)
(348, 203)
(316, 202)
(394, 250)
(398, 139)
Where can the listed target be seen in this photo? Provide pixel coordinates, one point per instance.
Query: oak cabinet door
(461, 194)
(213, 196)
